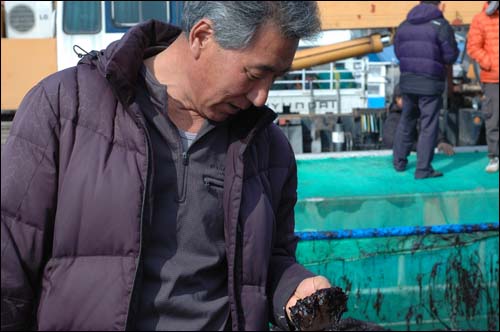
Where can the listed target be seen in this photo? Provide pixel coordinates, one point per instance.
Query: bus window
(129, 13)
(82, 17)
(157, 10)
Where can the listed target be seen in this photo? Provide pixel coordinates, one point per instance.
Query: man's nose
(259, 92)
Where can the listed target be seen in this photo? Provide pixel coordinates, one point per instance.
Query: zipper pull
(185, 158)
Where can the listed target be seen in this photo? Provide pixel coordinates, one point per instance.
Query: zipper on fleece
(185, 167)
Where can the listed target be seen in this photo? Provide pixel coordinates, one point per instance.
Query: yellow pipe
(338, 51)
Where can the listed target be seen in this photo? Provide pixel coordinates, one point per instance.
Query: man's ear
(201, 35)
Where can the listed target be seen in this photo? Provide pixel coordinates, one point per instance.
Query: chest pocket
(214, 185)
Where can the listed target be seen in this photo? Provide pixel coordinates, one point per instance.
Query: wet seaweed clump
(322, 311)
(319, 311)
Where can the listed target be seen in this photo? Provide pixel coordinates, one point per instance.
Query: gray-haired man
(148, 187)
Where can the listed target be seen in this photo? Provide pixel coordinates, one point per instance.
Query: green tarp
(419, 282)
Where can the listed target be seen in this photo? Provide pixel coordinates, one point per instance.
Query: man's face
(226, 81)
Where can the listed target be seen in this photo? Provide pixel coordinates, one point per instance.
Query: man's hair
(236, 22)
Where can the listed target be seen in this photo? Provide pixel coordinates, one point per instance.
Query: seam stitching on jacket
(13, 218)
(28, 141)
(44, 155)
(93, 130)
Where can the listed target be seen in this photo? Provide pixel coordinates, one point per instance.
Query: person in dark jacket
(425, 46)
(148, 188)
(392, 121)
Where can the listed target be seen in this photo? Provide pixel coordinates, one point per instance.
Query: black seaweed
(320, 310)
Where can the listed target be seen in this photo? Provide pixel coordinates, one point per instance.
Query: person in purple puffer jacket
(425, 46)
(148, 188)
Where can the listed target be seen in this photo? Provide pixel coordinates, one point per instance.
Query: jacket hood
(424, 13)
(121, 61)
(485, 7)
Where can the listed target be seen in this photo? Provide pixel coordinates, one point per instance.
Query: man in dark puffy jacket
(425, 45)
(147, 188)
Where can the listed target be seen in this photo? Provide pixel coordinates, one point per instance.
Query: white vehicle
(40, 36)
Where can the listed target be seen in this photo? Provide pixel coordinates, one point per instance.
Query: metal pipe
(337, 87)
(395, 231)
(338, 51)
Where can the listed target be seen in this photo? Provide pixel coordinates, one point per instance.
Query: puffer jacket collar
(121, 61)
(246, 124)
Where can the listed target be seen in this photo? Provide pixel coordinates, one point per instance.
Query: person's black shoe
(434, 174)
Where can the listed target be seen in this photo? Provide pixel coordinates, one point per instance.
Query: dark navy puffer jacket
(75, 185)
(424, 44)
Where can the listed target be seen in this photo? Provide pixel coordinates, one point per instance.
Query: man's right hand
(305, 288)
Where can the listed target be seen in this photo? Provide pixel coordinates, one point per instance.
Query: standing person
(482, 46)
(424, 44)
(147, 188)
